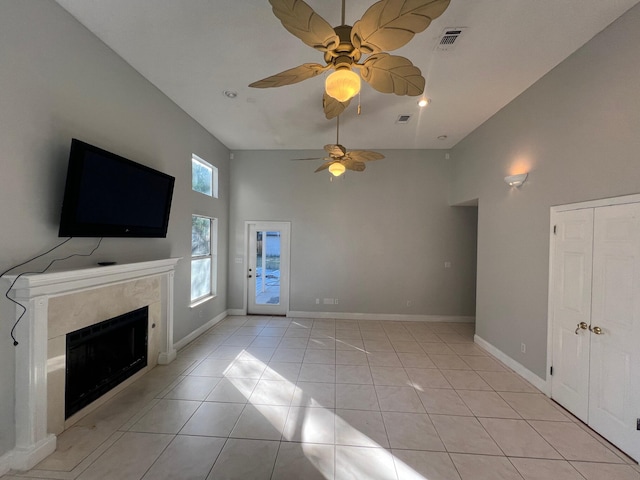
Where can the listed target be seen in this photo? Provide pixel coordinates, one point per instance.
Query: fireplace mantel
(33, 441)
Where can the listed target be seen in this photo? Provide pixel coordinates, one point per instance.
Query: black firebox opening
(104, 355)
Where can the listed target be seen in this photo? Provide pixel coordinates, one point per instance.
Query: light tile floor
(281, 398)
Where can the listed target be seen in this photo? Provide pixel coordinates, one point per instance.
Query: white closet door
(572, 268)
(614, 399)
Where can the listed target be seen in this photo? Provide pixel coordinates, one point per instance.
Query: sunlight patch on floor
(310, 423)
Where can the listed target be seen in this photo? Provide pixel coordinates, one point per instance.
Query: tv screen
(107, 195)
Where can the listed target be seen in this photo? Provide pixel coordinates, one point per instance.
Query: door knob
(581, 325)
(249, 276)
(596, 330)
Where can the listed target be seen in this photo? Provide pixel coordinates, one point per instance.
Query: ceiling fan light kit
(336, 169)
(343, 84)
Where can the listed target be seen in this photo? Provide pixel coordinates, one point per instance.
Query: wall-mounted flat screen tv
(107, 195)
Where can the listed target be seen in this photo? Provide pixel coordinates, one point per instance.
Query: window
(204, 177)
(204, 232)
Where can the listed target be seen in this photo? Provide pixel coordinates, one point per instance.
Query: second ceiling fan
(340, 159)
(386, 25)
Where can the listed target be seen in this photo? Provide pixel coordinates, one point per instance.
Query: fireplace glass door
(103, 355)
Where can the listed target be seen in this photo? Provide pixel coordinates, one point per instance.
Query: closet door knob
(596, 330)
(581, 325)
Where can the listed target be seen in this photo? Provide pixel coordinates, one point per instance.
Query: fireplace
(103, 355)
(60, 303)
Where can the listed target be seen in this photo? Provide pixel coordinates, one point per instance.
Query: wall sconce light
(516, 180)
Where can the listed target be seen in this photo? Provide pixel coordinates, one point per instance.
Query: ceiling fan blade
(324, 166)
(291, 76)
(364, 155)
(332, 107)
(304, 159)
(392, 74)
(335, 151)
(351, 164)
(300, 20)
(390, 24)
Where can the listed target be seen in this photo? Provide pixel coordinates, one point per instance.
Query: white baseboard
(382, 316)
(370, 316)
(524, 372)
(199, 331)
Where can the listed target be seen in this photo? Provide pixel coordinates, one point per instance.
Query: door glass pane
(200, 278)
(267, 268)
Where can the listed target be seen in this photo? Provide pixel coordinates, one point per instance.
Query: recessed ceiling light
(230, 94)
(423, 102)
(442, 137)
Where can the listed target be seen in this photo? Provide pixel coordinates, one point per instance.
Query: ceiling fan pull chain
(359, 106)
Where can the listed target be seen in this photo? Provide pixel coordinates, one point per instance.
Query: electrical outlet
(327, 301)
(447, 264)
(317, 301)
(409, 303)
(335, 301)
(523, 348)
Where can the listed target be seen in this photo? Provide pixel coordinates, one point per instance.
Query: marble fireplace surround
(61, 302)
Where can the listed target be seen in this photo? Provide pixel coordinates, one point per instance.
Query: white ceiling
(193, 50)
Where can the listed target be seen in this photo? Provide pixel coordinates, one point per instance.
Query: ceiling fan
(340, 160)
(386, 25)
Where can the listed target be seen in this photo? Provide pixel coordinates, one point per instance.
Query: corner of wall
(541, 384)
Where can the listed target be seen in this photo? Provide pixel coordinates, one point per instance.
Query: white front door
(571, 296)
(268, 268)
(614, 399)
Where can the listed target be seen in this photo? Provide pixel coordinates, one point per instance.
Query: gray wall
(374, 240)
(578, 130)
(58, 82)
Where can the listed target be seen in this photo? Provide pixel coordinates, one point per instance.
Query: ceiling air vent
(450, 38)
(402, 119)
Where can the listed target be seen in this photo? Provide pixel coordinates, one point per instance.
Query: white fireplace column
(33, 441)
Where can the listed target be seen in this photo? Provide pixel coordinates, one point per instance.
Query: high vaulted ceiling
(194, 50)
